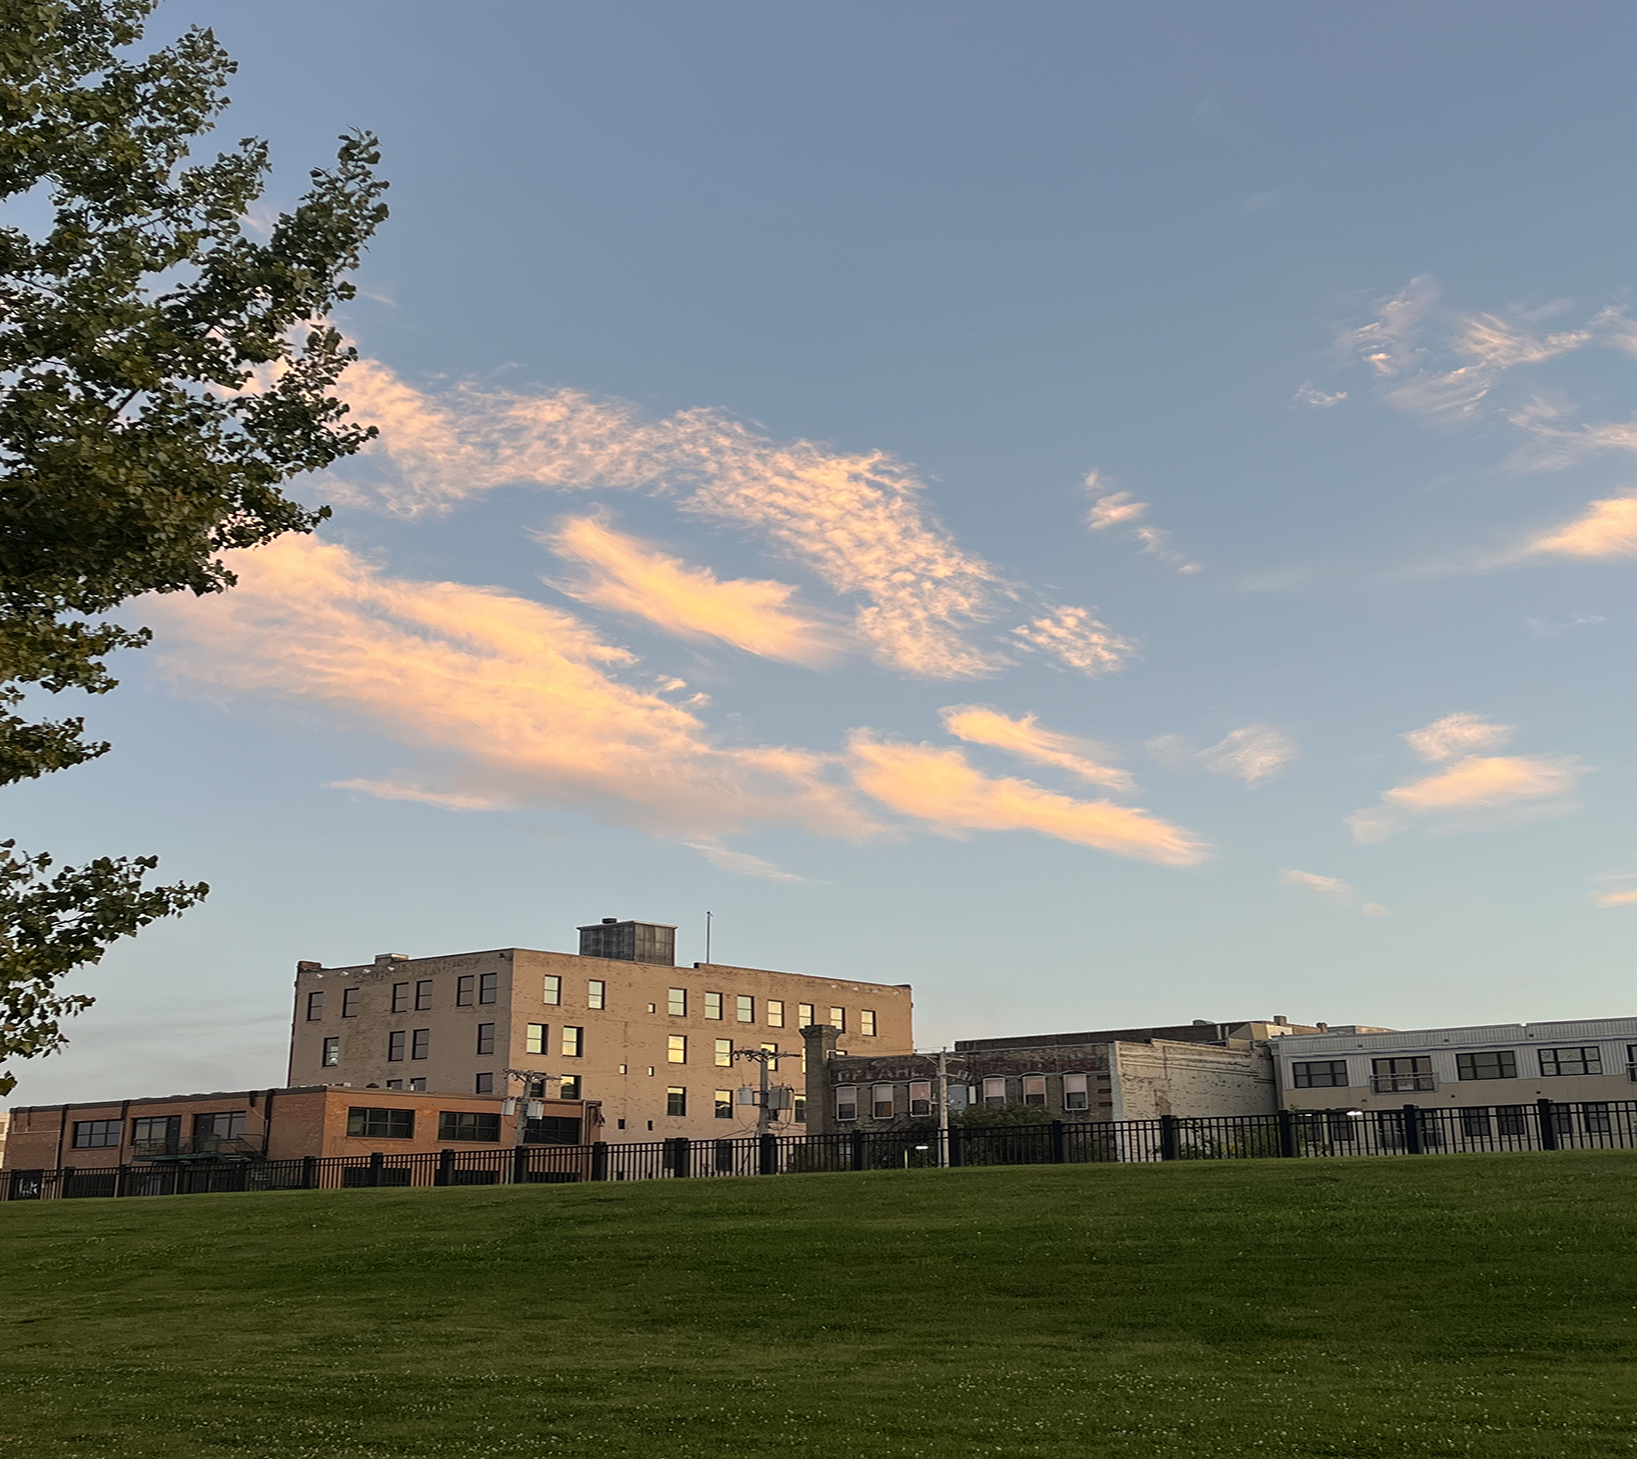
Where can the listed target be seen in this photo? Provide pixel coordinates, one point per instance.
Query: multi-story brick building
(618, 1023)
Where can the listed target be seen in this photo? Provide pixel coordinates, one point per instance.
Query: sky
(1111, 514)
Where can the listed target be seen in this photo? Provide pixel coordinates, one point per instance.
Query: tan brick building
(618, 1024)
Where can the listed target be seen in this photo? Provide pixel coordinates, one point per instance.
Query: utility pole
(942, 1093)
(529, 1078)
(764, 1057)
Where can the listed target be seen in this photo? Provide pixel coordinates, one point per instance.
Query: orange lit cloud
(1607, 530)
(940, 788)
(1028, 741)
(628, 576)
(1075, 638)
(518, 702)
(1475, 793)
(1456, 734)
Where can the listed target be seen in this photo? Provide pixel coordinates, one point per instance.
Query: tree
(162, 375)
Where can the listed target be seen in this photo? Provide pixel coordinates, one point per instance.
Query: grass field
(1464, 1305)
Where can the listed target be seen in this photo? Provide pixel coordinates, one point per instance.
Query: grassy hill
(1468, 1305)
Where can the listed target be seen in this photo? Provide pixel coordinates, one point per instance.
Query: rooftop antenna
(708, 936)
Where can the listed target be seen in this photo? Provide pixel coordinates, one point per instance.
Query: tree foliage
(162, 374)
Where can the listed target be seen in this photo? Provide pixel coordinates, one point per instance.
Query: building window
(551, 990)
(1034, 1089)
(724, 1053)
(1594, 1119)
(713, 1005)
(568, 1087)
(315, 1006)
(157, 1134)
(596, 993)
(468, 1125)
(676, 1101)
(400, 997)
(349, 1001)
(465, 990)
(332, 1053)
(395, 1046)
(417, 1086)
(994, 1092)
(1074, 1091)
(744, 1007)
(381, 1124)
(487, 988)
(1323, 1074)
(846, 1103)
(920, 1097)
(485, 1084)
(395, 1084)
(535, 1040)
(881, 1101)
(97, 1134)
(798, 1109)
(423, 995)
(1512, 1119)
(838, 1019)
(225, 1125)
(420, 1044)
(485, 1038)
(724, 1104)
(573, 1042)
(775, 1012)
(676, 1049)
(1403, 1075)
(1475, 1122)
(1501, 1064)
(866, 1022)
(1571, 1061)
(804, 1015)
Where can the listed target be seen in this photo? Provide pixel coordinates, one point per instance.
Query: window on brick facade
(97, 1134)
(920, 1097)
(798, 1109)
(676, 1049)
(468, 1125)
(395, 1084)
(395, 1045)
(573, 1042)
(724, 1104)
(423, 995)
(744, 1007)
(596, 993)
(724, 1053)
(332, 1053)
(484, 1084)
(349, 1001)
(866, 1022)
(400, 997)
(846, 1103)
(488, 988)
(158, 1133)
(676, 1101)
(465, 990)
(534, 1041)
(417, 1086)
(315, 1006)
(775, 1012)
(1034, 1089)
(568, 1087)
(1320, 1074)
(1074, 1091)
(713, 1005)
(881, 1101)
(381, 1124)
(485, 1038)
(676, 1002)
(838, 1019)
(223, 1125)
(994, 1092)
(551, 989)
(420, 1044)
(804, 1015)
(1495, 1064)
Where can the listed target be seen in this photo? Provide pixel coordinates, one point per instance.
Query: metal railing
(1403, 1083)
(1290, 1134)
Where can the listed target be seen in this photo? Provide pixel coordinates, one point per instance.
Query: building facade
(1505, 1064)
(618, 1023)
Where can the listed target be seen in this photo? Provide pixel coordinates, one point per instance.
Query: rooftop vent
(392, 957)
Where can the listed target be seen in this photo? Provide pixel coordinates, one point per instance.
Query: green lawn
(1467, 1305)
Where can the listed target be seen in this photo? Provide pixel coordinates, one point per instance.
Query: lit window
(596, 992)
(315, 1006)
(423, 995)
(838, 1019)
(97, 1134)
(349, 1002)
(846, 1104)
(677, 1003)
(724, 1053)
(551, 990)
(485, 1084)
(724, 1104)
(573, 1042)
(420, 1044)
(1074, 1091)
(487, 987)
(400, 997)
(770, 1048)
(535, 1043)
(676, 1101)
(676, 1049)
(713, 1005)
(465, 990)
(881, 1101)
(920, 1097)
(568, 1087)
(775, 1013)
(468, 1125)
(332, 1053)
(866, 1022)
(994, 1091)
(1034, 1089)
(1499, 1064)
(744, 1007)
(395, 1046)
(485, 1038)
(1571, 1061)
(382, 1124)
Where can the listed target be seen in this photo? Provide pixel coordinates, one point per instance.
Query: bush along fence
(1411, 1130)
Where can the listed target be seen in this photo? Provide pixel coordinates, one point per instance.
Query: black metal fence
(1410, 1130)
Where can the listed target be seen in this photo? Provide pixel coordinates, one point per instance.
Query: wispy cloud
(940, 788)
(1606, 530)
(626, 575)
(514, 702)
(1028, 741)
(1475, 792)
(1309, 394)
(1327, 888)
(741, 863)
(1121, 509)
(1388, 342)
(857, 520)
(1076, 639)
(1251, 754)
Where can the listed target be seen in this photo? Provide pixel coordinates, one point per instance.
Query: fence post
(1056, 1139)
(957, 1145)
(599, 1160)
(309, 1172)
(520, 1165)
(1548, 1124)
(857, 1155)
(681, 1151)
(1287, 1133)
(1412, 1130)
(446, 1168)
(376, 1160)
(1169, 1145)
(767, 1154)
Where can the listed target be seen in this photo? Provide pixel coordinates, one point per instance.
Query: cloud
(517, 702)
(1028, 741)
(940, 788)
(626, 575)
(1373, 909)
(1387, 343)
(1456, 734)
(1475, 793)
(742, 863)
(1605, 530)
(1310, 394)
(1120, 509)
(1626, 898)
(1075, 638)
(857, 519)
(1329, 888)
(1494, 346)
(1252, 753)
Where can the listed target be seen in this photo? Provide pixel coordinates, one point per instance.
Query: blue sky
(1108, 513)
